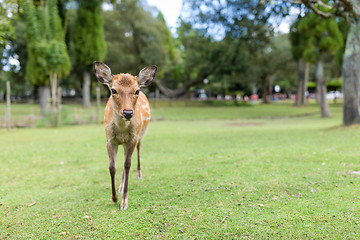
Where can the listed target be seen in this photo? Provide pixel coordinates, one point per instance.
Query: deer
(127, 116)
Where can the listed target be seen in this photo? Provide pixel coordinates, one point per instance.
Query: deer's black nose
(128, 114)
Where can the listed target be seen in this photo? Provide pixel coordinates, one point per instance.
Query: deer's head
(124, 88)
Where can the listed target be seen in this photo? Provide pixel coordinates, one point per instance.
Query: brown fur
(126, 133)
(118, 129)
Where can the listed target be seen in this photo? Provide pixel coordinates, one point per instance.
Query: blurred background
(208, 52)
(248, 106)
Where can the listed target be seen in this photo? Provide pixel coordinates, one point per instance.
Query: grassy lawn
(214, 173)
(28, 115)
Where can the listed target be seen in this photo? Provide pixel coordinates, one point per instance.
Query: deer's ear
(146, 76)
(103, 73)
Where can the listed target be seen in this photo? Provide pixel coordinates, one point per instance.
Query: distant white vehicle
(202, 96)
(334, 95)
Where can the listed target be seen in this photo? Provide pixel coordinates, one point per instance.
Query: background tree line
(233, 44)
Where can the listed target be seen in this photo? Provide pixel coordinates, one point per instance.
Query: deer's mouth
(126, 119)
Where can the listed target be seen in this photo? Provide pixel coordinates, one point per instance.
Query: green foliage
(294, 36)
(280, 63)
(47, 52)
(8, 12)
(335, 84)
(344, 28)
(89, 39)
(241, 33)
(197, 50)
(136, 39)
(318, 36)
(246, 19)
(311, 86)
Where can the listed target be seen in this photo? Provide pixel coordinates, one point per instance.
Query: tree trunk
(304, 85)
(321, 86)
(300, 80)
(44, 95)
(8, 105)
(350, 72)
(53, 85)
(303, 76)
(264, 92)
(54, 99)
(271, 87)
(254, 88)
(98, 104)
(86, 89)
(58, 106)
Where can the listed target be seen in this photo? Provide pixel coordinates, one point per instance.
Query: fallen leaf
(31, 204)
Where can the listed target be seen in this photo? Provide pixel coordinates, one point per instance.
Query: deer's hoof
(139, 175)
(124, 204)
(123, 207)
(115, 198)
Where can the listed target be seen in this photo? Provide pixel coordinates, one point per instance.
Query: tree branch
(309, 4)
(321, 3)
(175, 93)
(351, 7)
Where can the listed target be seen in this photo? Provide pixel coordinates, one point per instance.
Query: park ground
(266, 171)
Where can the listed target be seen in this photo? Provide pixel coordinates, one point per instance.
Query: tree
(8, 12)
(195, 65)
(135, 38)
(320, 37)
(297, 50)
(47, 53)
(273, 62)
(350, 11)
(224, 40)
(89, 41)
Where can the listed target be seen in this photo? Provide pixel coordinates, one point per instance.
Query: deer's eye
(137, 92)
(113, 91)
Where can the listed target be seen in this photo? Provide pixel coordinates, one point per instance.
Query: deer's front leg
(128, 151)
(139, 175)
(112, 150)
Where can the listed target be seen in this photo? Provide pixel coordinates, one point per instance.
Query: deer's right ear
(103, 73)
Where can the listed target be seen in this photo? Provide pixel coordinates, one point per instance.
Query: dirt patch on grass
(244, 124)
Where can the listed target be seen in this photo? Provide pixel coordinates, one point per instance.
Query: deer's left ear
(146, 76)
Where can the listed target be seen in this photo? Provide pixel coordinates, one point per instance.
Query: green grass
(232, 112)
(28, 115)
(237, 175)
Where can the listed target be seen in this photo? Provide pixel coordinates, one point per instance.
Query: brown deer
(127, 116)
